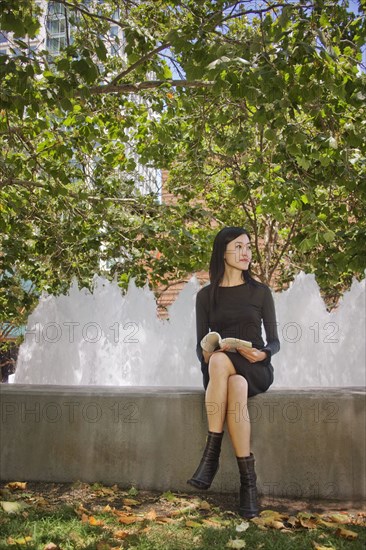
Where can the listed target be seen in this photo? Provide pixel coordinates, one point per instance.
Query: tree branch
(23, 183)
(265, 10)
(284, 248)
(138, 63)
(84, 11)
(149, 84)
(92, 198)
(11, 130)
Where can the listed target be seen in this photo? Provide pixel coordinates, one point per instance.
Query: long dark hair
(217, 264)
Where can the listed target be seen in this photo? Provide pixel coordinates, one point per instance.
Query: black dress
(238, 313)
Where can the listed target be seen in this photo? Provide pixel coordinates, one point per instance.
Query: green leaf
(306, 244)
(10, 22)
(241, 192)
(167, 72)
(133, 492)
(169, 496)
(329, 236)
(66, 104)
(270, 134)
(303, 162)
(86, 68)
(101, 50)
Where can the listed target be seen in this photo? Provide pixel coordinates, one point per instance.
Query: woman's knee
(238, 384)
(220, 365)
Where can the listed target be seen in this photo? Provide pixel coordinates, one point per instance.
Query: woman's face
(238, 253)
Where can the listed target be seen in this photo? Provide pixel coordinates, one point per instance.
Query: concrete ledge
(308, 443)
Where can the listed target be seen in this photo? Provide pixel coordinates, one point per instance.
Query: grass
(94, 517)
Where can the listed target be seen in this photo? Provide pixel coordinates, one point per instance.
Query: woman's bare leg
(237, 417)
(220, 370)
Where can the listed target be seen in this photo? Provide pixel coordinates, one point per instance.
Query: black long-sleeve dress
(238, 313)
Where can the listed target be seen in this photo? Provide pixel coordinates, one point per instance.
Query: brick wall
(167, 295)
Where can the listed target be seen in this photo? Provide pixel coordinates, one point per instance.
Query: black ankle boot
(206, 471)
(248, 507)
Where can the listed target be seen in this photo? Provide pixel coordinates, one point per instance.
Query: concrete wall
(307, 443)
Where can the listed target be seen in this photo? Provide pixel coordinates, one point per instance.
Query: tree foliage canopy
(257, 109)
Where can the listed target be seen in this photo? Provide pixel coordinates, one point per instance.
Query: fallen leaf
(102, 490)
(168, 496)
(80, 511)
(275, 524)
(318, 546)
(236, 543)
(12, 507)
(80, 485)
(308, 515)
(243, 526)
(346, 534)
(51, 546)
(293, 521)
(165, 519)
(190, 523)
(308, 523)
(15, 485)
(328, 524)
(220, 521)
(258, 521)
(182, 511)
(340, 518)
(103, 546)
(265, 522)
(212, 523)
(151, 515)
(360, 519)
(130, 502)
(95, 522)
(40, 501)
(20, 540)
(125, 519)
(120, 534)
(273, 514)
(204, 505)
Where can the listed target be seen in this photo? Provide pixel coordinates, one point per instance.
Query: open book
(213, 341)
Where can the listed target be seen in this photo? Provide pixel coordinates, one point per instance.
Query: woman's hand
(252, 354)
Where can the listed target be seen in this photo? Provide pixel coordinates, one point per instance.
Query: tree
(280, 140)
(265, 125)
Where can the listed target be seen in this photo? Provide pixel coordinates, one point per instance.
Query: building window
(56, 28)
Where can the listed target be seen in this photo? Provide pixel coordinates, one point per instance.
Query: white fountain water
(109, 338)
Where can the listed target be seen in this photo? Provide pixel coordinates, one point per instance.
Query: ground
(52, 516)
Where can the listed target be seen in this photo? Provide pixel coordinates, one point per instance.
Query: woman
(234, 305)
